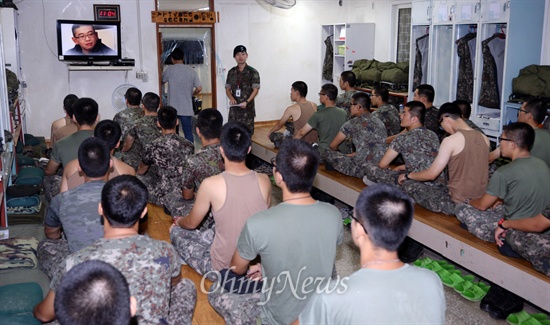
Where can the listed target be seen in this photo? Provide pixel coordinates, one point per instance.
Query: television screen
(92, 41)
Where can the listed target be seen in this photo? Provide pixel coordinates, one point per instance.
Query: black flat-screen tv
(88, 41)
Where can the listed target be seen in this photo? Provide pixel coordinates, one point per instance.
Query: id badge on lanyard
(238, 92)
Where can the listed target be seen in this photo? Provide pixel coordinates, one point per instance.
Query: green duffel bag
(533, 80)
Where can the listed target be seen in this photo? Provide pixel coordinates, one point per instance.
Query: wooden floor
(158, 227)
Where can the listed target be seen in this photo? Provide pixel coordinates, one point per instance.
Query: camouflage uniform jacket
(246, 81)
(368, 134)
(127, 119)
(388, 114)
(76, 212)
(144, 132)
(206, 162)
(148, 265)
(168, 154)
(418, 147)
(344, 101)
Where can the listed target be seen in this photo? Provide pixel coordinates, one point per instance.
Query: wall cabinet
(350, 42)
(515, 30)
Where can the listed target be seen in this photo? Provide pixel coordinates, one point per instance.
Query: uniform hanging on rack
(421, 60)
(328, 64)
(465, 79)
(491, 77)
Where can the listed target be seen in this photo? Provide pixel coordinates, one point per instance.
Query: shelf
(98, 68)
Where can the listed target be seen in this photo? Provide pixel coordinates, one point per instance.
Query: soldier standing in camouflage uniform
(368, 135)
(387, 113)
(347, 84)
(127, 119)
(168, 153)
(417, 145)
(151, 267)
(529, 237)
(75, 211)
(464, 153)
(522, 186)
(242, 86)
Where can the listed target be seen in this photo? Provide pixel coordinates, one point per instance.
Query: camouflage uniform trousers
(236, 309)
(378, 175)
(194, 248)
(151, 179)
(243, 115)
(51, 253)
(346, 165)
(481, 224)
(534, 247)
(183, 298)
(177, 205)
(278, 137)
(52, 184)
(431, 196)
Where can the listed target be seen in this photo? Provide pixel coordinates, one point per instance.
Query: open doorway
(196, 44)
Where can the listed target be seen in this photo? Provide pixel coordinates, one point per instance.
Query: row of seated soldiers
(208, 199)
(439, 157)
(271, 265)
(305, 252)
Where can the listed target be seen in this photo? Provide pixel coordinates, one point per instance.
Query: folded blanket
(18, 253)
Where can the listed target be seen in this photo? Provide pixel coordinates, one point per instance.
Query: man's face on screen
(86, 37)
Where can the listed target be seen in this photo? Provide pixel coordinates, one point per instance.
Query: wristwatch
(407, 175)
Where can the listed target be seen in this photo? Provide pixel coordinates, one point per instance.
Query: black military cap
(239, 48)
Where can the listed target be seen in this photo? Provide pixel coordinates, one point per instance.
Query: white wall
(284, 45)
(48, 80)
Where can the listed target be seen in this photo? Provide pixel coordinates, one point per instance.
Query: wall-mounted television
(88, 41)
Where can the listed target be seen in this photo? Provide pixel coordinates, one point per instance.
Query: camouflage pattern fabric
(236, 309)
(51, 184)
(18, 253)
(148, 265)
(430, 120)
(389, 115)
(278, 137)
(343, 101)
(206, 162)
(246, 81)
(368, 135)
(431, 196)
(418, 148)
(534, 247)
(51, 253)
(183, 298)
(481, 224)
(76, 212)
(194, 248)
(127, 120)
(177, 205)
(168, 154)
(145, 130)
